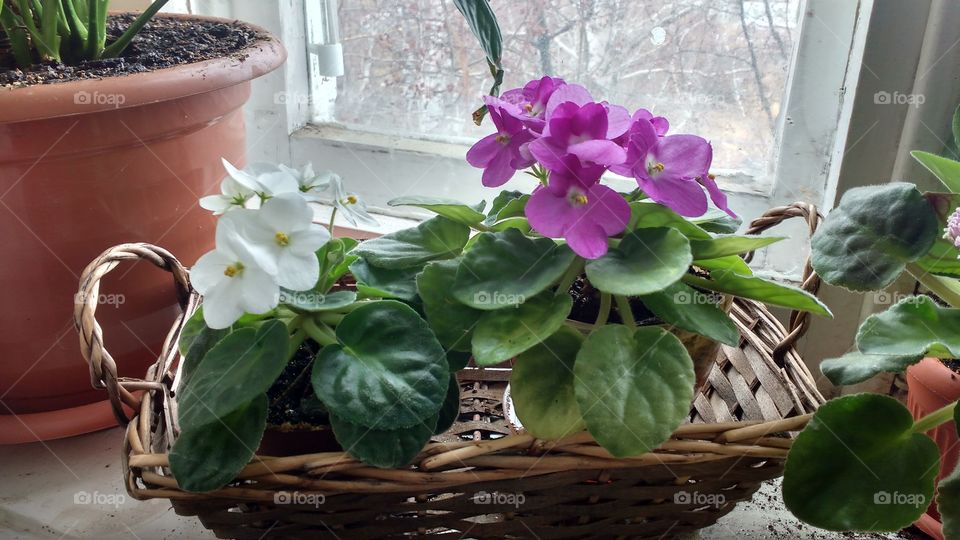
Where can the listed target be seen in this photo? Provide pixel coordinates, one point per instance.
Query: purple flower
(532, 100)
(500, 154)
(672, 169)
(952, 231)
(580, 130)
(576, 207)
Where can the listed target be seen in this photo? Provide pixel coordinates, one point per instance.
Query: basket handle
(103, 368)
(799, 320)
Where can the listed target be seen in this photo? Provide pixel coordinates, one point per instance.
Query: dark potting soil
(164, 42)
(954, 365)
(292, 401)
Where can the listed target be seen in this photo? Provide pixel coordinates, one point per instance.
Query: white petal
(287, 213)
(339, 193)
(221, 306)
(217, 204)
(261, 293)
(298, 272)
(242, 177)
(231, 188)
(235, 236)
(208, 271)
(310, 240)
(278, 182)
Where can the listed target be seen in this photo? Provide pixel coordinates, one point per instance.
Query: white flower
(311, 183)
(352, 208)
(263, 178)
(233, 195)
(284, 236)
(232, 280)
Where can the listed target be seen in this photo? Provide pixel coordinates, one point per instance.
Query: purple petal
(718, 197)
(600, 152)
(498, 170)
(560, 123)
(567, 93)
(549, 214)
(587, 239)
(618, 121)
(687, 156)
(573, 172)
(548, 152)
(660, 124)
(483, 151)
(590, 121)
(684, 197)
(608, 209)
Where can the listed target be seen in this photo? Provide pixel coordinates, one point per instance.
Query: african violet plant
(863, 463)
(488, 285)
(68, 31)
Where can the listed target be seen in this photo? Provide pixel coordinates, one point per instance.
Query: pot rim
(45, 101)
(936, 378)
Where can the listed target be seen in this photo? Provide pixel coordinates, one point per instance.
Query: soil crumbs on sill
(163, 43)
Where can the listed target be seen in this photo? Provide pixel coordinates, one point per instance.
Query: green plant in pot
(581, 285)
(864, 463)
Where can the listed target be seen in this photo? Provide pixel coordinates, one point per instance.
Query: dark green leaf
(646, 261)
(634, 387)
(483, 23)
(451, 320)
(948, 503)
(434, 239)
(718, 221)
(458, 360)
(914, 326)
(208, 457)
(240, 367)
(387, 371)
(500, 202)
(542, 387)
(500, 335)
(448, 208)
(755, 288)
(647, 214)
(503, 269)
(722, 246)
(867, 241)
(693, 311)
(315, 301)
(383, 448)
(858, 466)
(191, 330)
(373, 281)
(450, 409)
(856, 367)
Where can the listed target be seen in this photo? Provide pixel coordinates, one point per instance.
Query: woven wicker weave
(480, 480)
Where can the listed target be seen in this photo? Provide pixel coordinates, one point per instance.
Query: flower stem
(934, 419)
(573, 271)
(321, 334)
(296, 340)
(604, 314)
(626, 314)
(945, 289)
(333, 217)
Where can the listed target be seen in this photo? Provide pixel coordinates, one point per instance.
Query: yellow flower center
(577, 197)
(282, 238)
(658, 167)
(503, 139)
(712, 176)
(234, 269)
(528, 107)
(351, 199)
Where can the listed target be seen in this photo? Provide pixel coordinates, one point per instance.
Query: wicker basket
(480, 480)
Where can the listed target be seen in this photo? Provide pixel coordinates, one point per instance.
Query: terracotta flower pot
(931, 386)
(89, 164)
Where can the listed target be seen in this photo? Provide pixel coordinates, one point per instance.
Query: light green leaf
(388, 371)
(856, 367)
(376, 282)
(867, 241)
(434, 239)
(386, 449)
(451, 320)
(858, 466)
(730, 263)
(448, 208)
(914, 326)
(503, 269)
(542, 387)
(335, 258)
(647, 214)
(500, 335)
(315, 301)
(722, 246)
(243, 365)
(646, 261)
(717, 221)
(634, 387)
(948, 502)
(755, 288)
(506, 205)
(693, 311)
(945, 169)
(208, 457)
